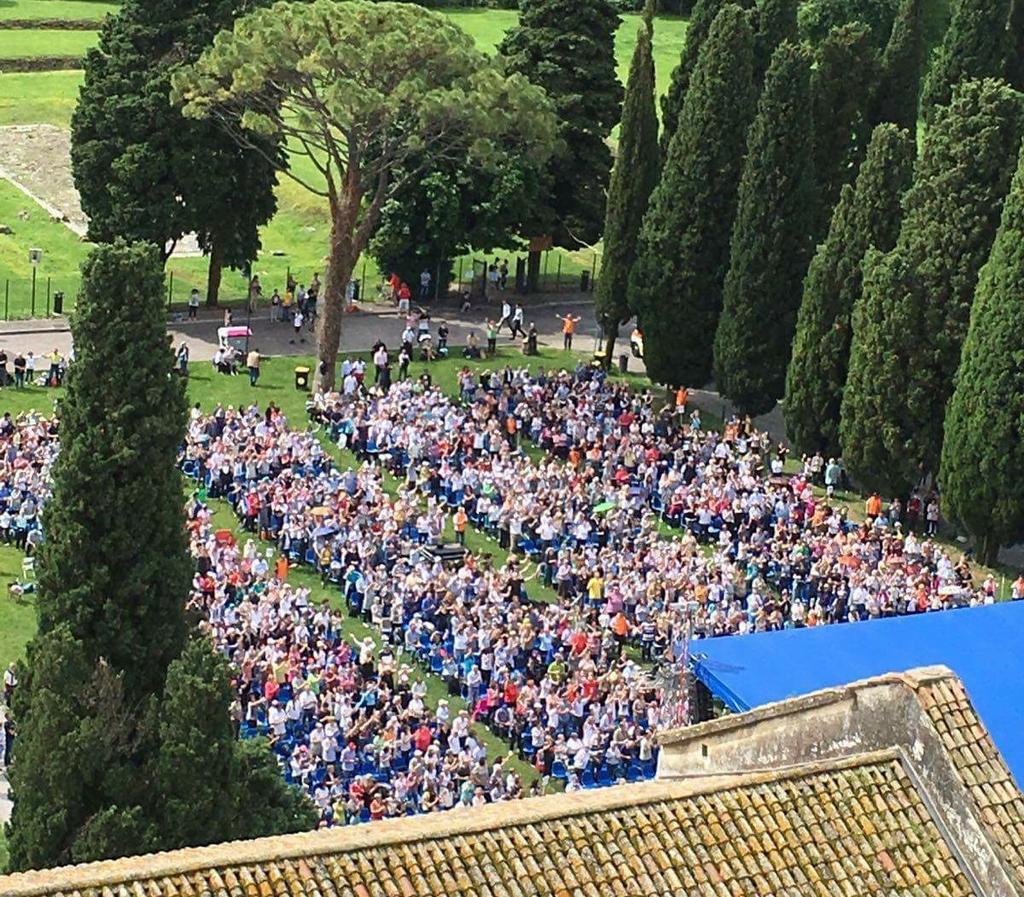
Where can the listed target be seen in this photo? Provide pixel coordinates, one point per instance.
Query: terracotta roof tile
(851, 829)
(979, 765)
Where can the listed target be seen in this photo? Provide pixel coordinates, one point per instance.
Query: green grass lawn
(23, 43)
(72, 10)
(62, 254)
(31, 98)
(17, 619)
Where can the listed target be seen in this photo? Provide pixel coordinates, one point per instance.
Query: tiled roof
(979, 765)
(845, 828)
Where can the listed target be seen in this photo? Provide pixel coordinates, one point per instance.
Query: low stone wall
(41, 64)
(52, 24)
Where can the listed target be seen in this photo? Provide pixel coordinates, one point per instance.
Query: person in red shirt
(511, 692)
(422, 738)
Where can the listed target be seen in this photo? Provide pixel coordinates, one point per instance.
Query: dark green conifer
(633, 178)
(771, 240)
(917, 299)
(983, 450)
(867, 215)
(683, 251)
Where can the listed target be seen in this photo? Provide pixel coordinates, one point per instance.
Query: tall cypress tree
(976, 45)
(899, 88)
(775, 22)
(105, 670)
(683, 248)
(771, 239)
(917, 299)
(983, 450)
(867, 215)
(633, 178)
(704, 13)
(843, 84)
(115, 563)
(568, 48)
(1014, 69)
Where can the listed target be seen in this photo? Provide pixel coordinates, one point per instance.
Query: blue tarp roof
(984, 646)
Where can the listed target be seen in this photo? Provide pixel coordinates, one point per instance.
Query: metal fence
(26, 296)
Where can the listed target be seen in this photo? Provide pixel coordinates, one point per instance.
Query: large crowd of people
(650, 529)
(633, 531)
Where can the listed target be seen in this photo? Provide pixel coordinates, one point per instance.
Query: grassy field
(296, 238)
(72, 10)
(62, 252)
(20, 43)
(30, 98)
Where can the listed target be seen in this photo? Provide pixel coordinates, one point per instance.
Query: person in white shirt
(297, 323)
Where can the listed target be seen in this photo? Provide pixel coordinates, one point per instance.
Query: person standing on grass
(193, 304)
(460, 521)
(252, 362)
(255, 291)
(569, 323)
(19, 371)
(297, 323)
(492, 337)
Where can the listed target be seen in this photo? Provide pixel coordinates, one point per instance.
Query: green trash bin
(302, 378)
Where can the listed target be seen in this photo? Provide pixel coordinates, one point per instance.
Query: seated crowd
(571, 703)
(632, 508)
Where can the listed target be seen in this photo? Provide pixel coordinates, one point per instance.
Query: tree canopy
(913, 315)
(867, 215)
(144, 171)
(124, 741)
(358, 91)
(977, 44)
(567, 48)
(983, 452)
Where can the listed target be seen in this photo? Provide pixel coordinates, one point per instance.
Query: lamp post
(34, 258)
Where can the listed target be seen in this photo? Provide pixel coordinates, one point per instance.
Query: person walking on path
(517, 322)
(569, 323)
(297, 323)
(193, 304)
(506, 316)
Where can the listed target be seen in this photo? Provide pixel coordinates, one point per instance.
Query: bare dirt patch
(37, 160)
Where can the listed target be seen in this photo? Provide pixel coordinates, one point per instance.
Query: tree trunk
(609, 345)
(331, 308)
(988, 549)
(533, 272)
(214, 272)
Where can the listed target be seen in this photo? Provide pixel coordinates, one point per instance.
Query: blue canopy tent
(982, 645)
